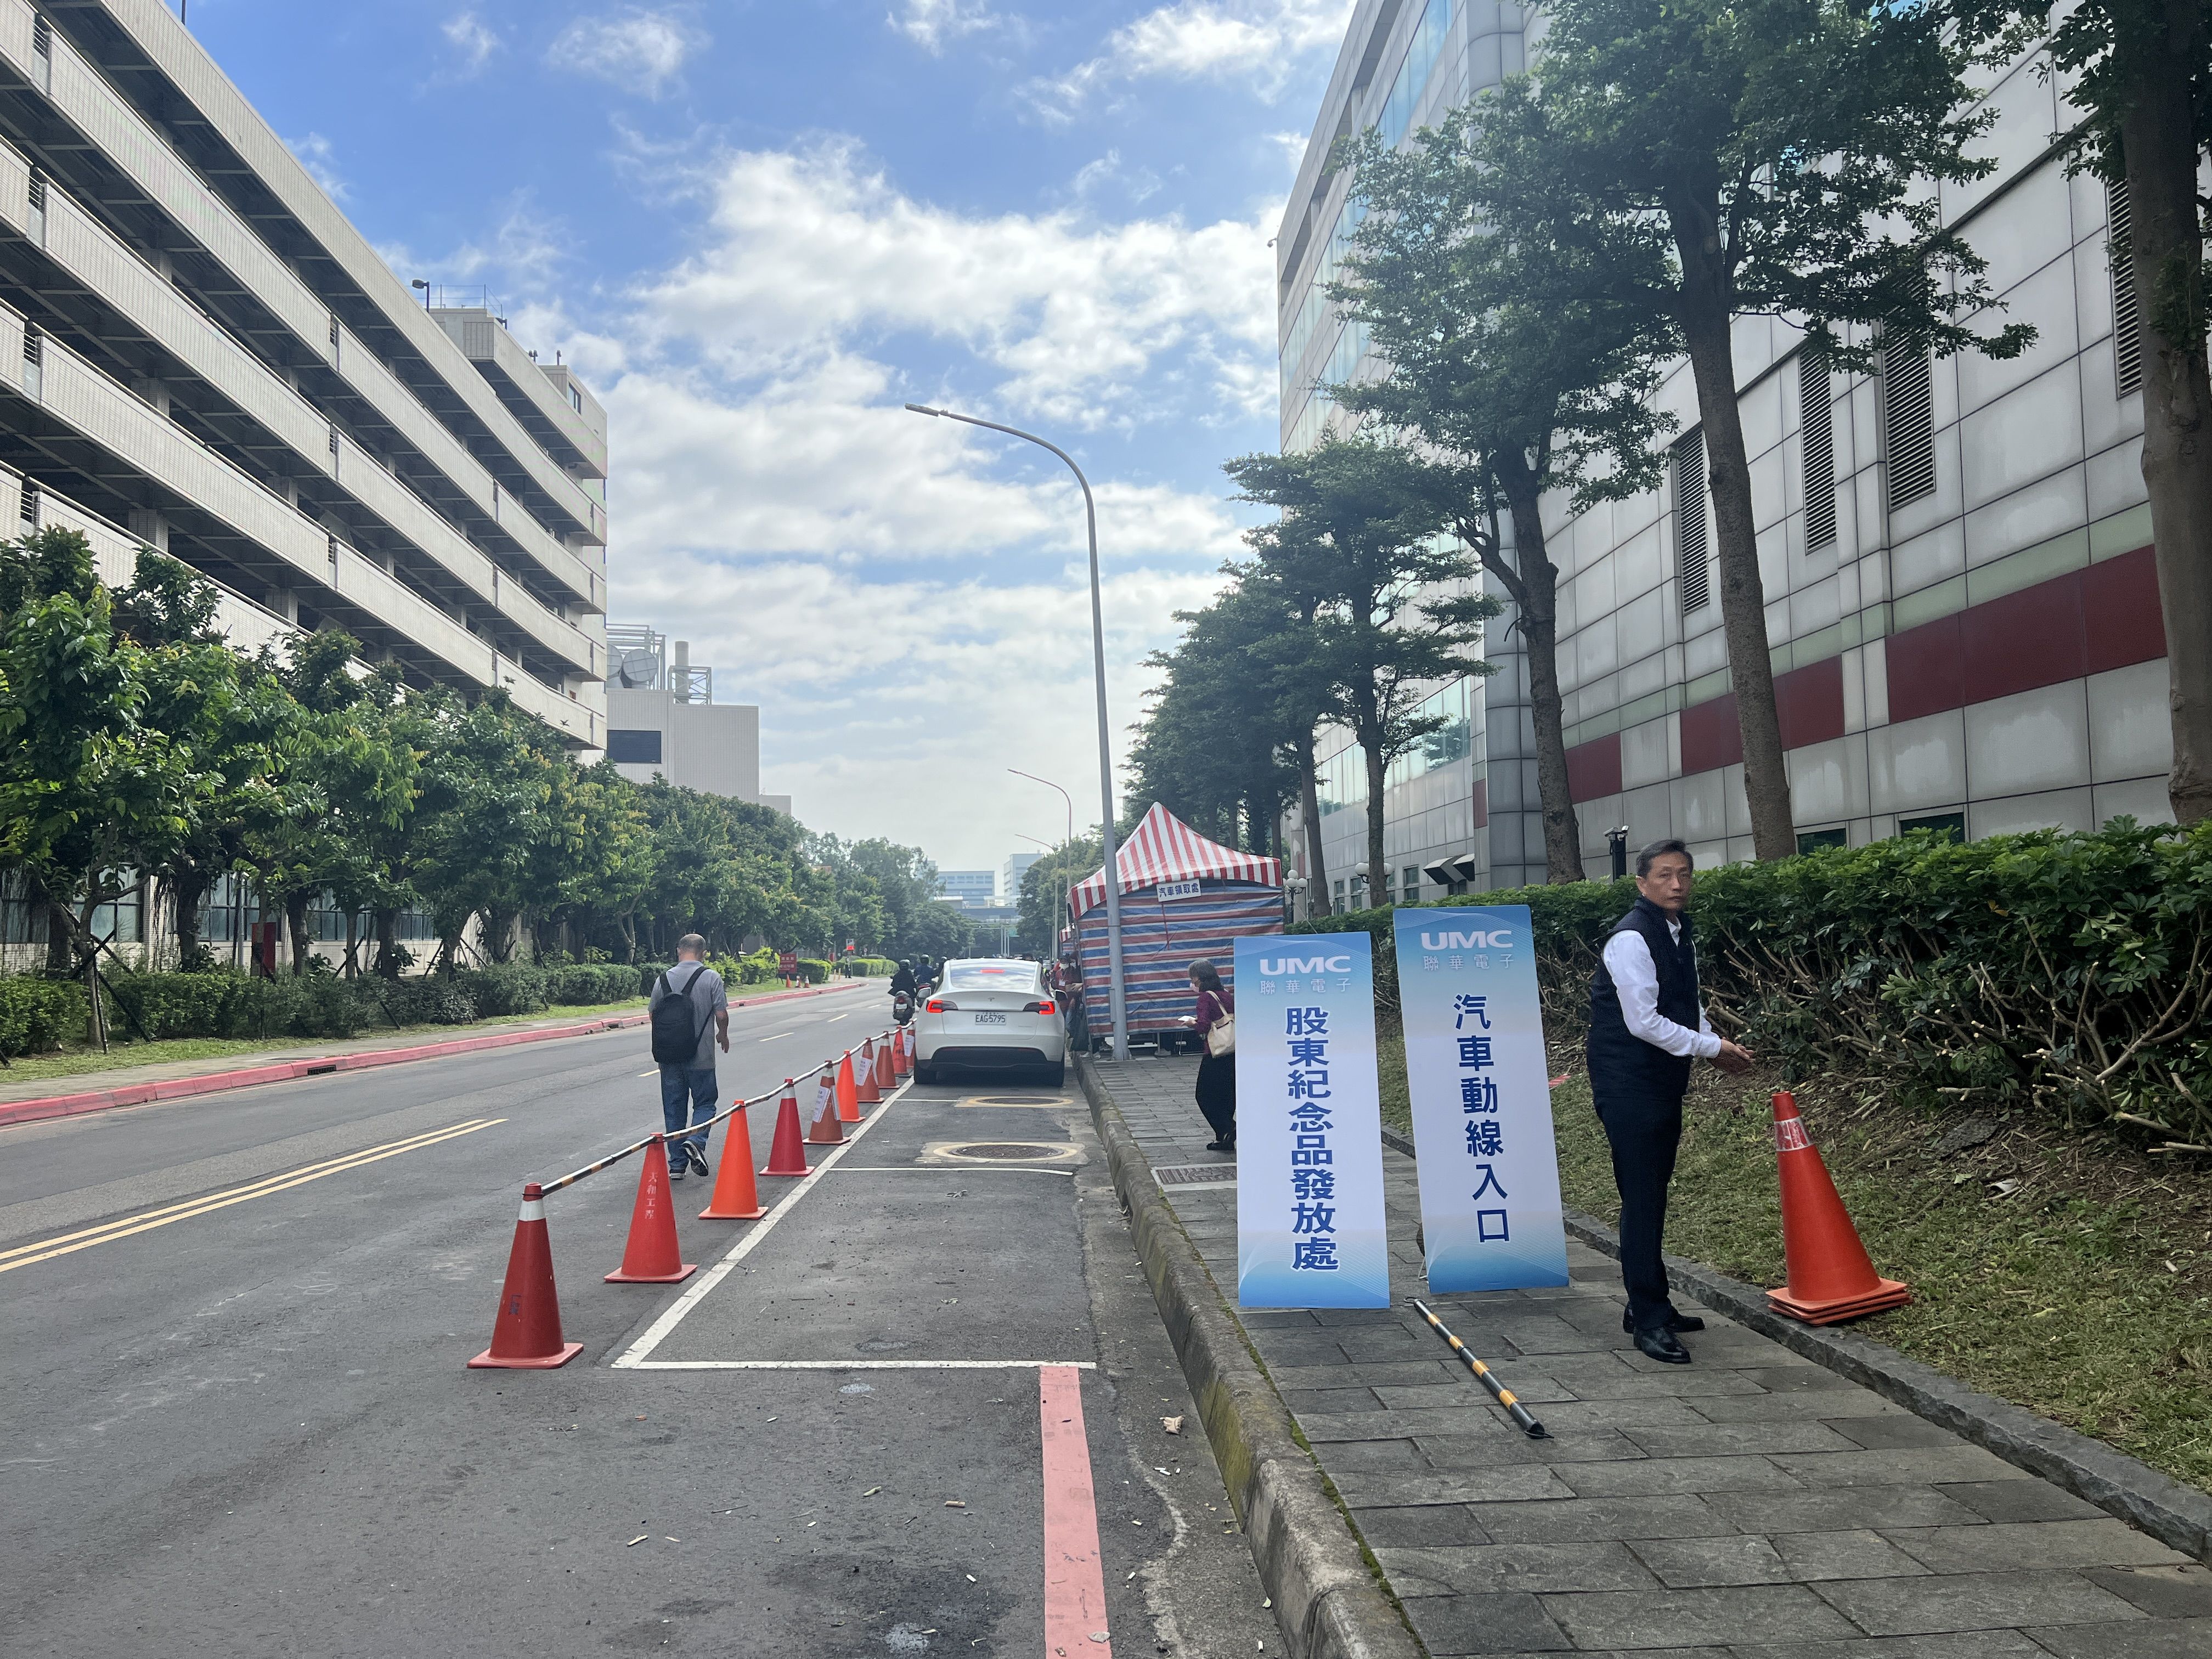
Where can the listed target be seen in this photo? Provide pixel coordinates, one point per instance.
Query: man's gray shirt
(708, 998)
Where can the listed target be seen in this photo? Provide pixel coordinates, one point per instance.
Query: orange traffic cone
(736, 1198)
(1831, 1278)
(787, 1153)
(848, 1092)
(525, 1334)
(864, 1091)
(827, 1129)
(653, 1256)
(903, 1051)
(886, 1078)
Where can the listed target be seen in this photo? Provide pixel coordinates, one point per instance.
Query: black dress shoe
(1661, 1344)
(1681, 1321)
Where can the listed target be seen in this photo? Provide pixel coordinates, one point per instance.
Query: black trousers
(1645, 1126)
(1217, 1094)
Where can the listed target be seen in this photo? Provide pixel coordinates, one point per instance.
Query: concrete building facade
(662, 720)
(200, 353)
(1960, 601)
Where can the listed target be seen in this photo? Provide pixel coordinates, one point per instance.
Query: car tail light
(1036, 1007)
(938, 1006)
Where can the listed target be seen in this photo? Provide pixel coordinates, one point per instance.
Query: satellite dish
(636, 667)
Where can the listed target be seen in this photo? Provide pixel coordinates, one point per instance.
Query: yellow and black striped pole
(1504, 1395)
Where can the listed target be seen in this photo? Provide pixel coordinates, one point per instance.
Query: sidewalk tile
(1855, 1554)
(2154, 1638)
(1892, 1433)
(1485, 1569)
(2010, 1546)
(1986, 1600)
(1664, 1474)
(1365, 1487)
(2019, 1500)
(1668, 1618)
(1701, 1563)
(1886, 1468)
(1964, 1644)
(1718, 1439)
(1449, 1626)
(1450, 1451)
(1431, 1525)
(1840, 1509)
(2183, 1592)
(1577, 1519)
(1365, 1454)
(1815, 1405)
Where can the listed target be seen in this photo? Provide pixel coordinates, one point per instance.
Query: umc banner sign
(1309, 1125)
(1482, 1108)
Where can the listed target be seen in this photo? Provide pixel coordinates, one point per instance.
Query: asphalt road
(241, 1423)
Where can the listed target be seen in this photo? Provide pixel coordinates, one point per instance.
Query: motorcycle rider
(903, 979)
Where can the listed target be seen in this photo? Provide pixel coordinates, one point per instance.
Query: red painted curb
(182, 1088)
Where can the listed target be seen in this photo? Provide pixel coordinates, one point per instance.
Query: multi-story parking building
(1960, 600)
(200, 353)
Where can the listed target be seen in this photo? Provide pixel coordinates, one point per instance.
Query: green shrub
(869, 967)
(648, 973)
(433, 999)
(511, 987)
(177, 1005)
(2070, 971)
(37, 1016)
(588, 984)
(815, 973)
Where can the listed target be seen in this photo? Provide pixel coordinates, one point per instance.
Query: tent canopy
(1163, 848)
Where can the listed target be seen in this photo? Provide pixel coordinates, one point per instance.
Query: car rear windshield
(991, 976)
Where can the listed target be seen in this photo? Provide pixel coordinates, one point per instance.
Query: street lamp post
(1064, 795)
(1117, 1000)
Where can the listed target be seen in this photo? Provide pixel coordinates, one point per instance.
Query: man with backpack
(690, 1013)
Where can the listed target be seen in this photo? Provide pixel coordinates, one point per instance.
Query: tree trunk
(387, 942)
(1317, 902)
(499, 933)
(88, 968)
(296, 923)
(188, 885)
(353, 943)
(1535, 586)
(1704, 317)
(2165, 253)
(1379, 876)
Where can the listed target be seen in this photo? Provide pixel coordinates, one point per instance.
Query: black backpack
(676, 1023)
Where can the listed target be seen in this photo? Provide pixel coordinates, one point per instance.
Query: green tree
(1362, 528)
(1045, 886)
(1518, 371)
(2141, 72)
(1770, 155)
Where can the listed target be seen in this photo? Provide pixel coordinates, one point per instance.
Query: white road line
(657, 1332)
(655, 1072)
(779, 1035)
(834, 1018)
(957, 1170)
(853, 1364)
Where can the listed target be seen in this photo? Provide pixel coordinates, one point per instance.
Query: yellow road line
(46, 1249)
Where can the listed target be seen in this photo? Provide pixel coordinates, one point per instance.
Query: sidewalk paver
(1750, 1506)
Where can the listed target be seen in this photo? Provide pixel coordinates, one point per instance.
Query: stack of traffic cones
(1831, 1276)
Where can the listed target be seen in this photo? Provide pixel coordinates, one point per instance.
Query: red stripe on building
(1711, 735)
(1594, 768)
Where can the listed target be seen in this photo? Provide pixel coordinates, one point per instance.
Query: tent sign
(1482, 1106)
(1168, 890)
(1309, 1229)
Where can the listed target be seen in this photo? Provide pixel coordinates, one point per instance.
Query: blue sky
(759, 228)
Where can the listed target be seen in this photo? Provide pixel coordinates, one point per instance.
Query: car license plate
(990, 1019)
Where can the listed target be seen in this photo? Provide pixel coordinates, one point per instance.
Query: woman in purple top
(1217, 1074)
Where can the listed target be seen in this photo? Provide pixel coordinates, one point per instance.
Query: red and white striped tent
(1163, 848)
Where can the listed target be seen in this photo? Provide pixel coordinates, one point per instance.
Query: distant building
(662, 719)
(970, 888)
(1012, 871)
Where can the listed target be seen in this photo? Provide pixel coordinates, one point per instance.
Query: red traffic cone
(787, 1153)
(903, 1051)
(653, 1256)
(1831, 1278)
(886, 1078)
(827, 1129)
(736, 1198)
(849, 1094)
(864, 1092)
(525, 1334)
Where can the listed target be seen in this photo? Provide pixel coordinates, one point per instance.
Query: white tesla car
(993, 1014)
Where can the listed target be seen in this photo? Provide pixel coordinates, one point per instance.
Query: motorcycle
(902, 1006)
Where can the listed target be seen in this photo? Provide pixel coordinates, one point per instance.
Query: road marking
(656, 1333)
(859, 1365)
(68, 1244)
(655, 1072)
(778, 1035)
(960, 1170)
(834, 1018)
(1074, 1585)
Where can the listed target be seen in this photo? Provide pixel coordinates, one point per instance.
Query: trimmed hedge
(38, 1015)
(2073, 972)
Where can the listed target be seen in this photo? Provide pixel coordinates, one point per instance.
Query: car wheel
(1053, 1077)
(924, 1072)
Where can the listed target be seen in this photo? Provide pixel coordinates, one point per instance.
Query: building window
(29, 506)
(633, 748)
(1812, 840)
(1409, 880)
(1340, 892)
(1689, 485)
(1816, 425)
(1908, 413)
(23, 919)
(1953, 825)
(2127, 311)
(576, 400)
(33, 364)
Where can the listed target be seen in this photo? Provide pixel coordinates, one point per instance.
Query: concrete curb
(2178, 1516)
(182, 1088)
(1327, 1603)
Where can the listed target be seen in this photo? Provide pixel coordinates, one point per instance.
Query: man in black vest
(1647, 1027)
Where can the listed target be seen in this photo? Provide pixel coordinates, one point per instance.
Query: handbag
(1221, 1036)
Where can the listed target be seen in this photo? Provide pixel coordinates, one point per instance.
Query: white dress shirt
(1635, 975)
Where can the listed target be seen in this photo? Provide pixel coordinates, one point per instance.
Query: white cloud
(1260, 41)
(471, 37)
(1075, 313)
(931, 23)
(642, 52)
(319, 156)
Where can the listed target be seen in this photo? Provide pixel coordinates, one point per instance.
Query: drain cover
(1015, 1100)
(1195, 1174)
(1005, 1149)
